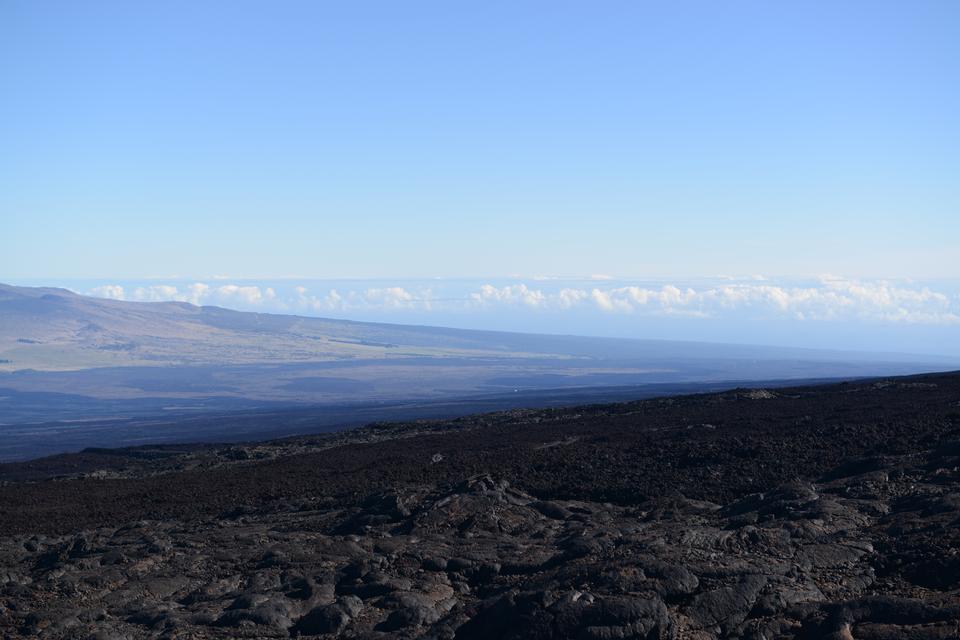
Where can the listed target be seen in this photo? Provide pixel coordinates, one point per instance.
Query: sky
(424, 139)
(637, 144)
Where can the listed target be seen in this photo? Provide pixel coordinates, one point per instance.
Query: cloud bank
(198, 293)
(829, 298)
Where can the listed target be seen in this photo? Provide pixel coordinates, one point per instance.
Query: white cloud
(386, 298)
(568, 298)
(197, 293)
(250, 295)
(510, 294)
(390, 297)
(155, 293)
(838, 298)
(112, 291)
(668, 298)
(333, 300)
(610, 301)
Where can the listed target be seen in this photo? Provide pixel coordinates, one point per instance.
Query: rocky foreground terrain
(818, 512)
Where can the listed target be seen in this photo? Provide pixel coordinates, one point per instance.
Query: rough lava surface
(817, 512)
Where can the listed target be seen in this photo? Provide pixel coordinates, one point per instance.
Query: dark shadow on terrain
(149, 421)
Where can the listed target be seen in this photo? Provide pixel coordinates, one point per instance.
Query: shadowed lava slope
(817, 512)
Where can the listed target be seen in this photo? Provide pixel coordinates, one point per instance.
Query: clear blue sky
(418, 139)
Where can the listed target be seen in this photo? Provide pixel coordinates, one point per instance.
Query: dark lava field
(814, 512)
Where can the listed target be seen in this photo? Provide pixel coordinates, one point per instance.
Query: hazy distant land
(67, 357)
